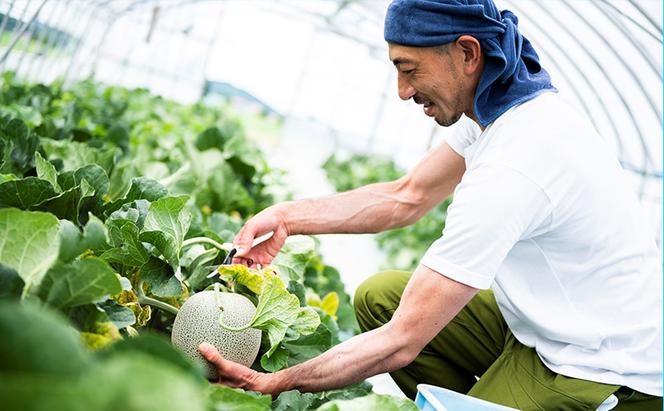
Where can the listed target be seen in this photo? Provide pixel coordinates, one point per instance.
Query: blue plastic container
(432, 398)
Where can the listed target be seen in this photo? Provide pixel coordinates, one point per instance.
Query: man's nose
(406, 90)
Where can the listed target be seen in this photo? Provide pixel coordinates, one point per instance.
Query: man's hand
(233, 374)
(270, 219)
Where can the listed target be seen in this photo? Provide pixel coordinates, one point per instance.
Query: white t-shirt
(545, 217)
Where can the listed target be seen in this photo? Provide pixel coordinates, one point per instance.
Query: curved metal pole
(42, 41)
(586, 80)
(74, 56)
(5, 20)
(629, 69)
(29, 35)
(19, 33)
(652, 21)
(59, 42)
(647, 157)
(638, 24)
(628, 35)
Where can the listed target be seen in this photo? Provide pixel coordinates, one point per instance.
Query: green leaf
(297, 288)
(165, 226)
(46, 171)
(73, 243)
(295, 400)
(119, 135)
(306, 322)
(158, 347)
(29, 243)
(65, 205)
(11, 284)
(370, 402)
(7, 177)
(135, 381)
(135, 211)
(95, 176)
(75, 155)
(128, 248)
(276, 311)
(211, 138)
(81, 282)
(278, 360)
(129, 381)
(38, 392)
(141, 189)
(25, 193)
(222, 398)
(198, 278)
(17, 147)
(146, 189)
(292, 261)
(35, 340)
(161, 278)
(118, 314)
(309, 346)
(120, 180)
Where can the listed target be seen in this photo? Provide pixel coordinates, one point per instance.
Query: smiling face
(442, 79)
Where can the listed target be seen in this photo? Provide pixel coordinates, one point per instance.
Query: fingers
(263, 222)
(211, 354)
(244, 239)
(231, 373)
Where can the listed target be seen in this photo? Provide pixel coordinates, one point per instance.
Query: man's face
(431, 77)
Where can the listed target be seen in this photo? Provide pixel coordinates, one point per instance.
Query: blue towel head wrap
(512, 73)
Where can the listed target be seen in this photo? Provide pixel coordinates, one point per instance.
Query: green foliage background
(114, 207)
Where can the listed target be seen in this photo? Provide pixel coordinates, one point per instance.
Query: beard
(448, 121)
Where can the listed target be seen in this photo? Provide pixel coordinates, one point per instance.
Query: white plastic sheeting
(325, 62)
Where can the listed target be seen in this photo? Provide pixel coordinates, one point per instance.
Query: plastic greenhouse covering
(312, 78)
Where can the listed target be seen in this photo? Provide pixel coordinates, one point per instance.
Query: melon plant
(198, 321)
(95, 225)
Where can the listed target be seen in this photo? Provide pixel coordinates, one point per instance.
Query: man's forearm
(352, 361)
(368, 209)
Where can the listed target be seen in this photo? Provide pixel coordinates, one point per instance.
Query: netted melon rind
(198, 321)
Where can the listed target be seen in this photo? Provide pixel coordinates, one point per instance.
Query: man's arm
(381, 206)
(429, 302)
(368, 209)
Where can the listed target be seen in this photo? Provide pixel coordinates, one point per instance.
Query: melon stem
(144, 299)
(204, 240)
(217, 299)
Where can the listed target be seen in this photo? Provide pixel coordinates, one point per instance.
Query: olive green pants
(478, 343)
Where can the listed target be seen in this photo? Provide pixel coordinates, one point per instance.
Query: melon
(198, 321)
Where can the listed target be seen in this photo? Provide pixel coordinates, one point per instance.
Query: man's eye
(409, 72)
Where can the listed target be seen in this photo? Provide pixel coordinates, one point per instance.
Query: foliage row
(115, 205)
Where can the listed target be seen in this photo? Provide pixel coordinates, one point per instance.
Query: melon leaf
(277, 312)
(165, 226)
(81, 282)
(29, 243)
(241, 274)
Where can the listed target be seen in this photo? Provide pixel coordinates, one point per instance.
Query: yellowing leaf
(103, 334)
(248, 277)
(330, 303)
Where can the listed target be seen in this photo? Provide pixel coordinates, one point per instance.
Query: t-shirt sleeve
(462, 135)
(494, 207)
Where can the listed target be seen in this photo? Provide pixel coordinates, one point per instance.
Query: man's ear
(472, 53)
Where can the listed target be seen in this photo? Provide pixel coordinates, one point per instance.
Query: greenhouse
(241, 205)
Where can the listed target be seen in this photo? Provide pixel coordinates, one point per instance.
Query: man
(542, 215)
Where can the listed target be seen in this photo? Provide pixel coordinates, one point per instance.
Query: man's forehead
(399, 54)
